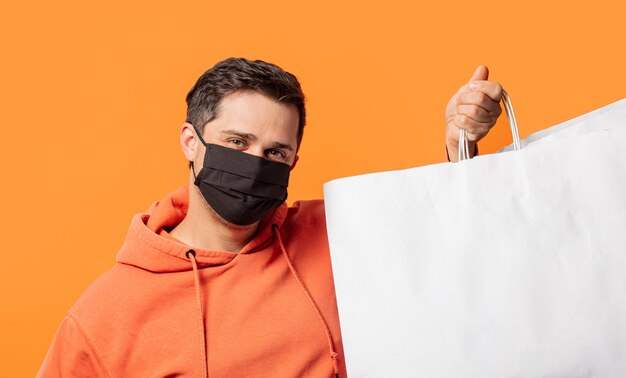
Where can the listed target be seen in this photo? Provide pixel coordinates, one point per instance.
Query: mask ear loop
(193, 170)
(199, 135)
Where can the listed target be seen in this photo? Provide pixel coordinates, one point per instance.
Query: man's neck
(203, 228)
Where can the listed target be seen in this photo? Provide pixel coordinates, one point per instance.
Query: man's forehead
(254, 114)
(250, 99)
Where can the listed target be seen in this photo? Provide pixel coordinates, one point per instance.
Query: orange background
(92, 99)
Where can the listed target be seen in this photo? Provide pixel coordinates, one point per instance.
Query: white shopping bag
(608, 117)
(506, 265)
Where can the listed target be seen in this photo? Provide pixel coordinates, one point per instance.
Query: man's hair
(240, 74)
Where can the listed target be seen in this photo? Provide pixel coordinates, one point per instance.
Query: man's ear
(295, 161)
(188, 141)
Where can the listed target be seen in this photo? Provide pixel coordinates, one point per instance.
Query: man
(221, 278)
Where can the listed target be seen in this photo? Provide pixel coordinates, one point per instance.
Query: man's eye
(276, 153)
(237, 142)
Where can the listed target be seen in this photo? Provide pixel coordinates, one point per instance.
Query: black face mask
(240, 187)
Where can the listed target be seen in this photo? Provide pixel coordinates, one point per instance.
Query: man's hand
(474, 108)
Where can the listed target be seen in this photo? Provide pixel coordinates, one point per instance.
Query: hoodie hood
(147, 249)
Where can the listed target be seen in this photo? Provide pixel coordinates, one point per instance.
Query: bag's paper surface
(607, 117)
(507, 265)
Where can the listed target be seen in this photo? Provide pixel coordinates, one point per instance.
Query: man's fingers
(476, 130)
(477, 98)
(481, 73)
(474, 108)
(490, 88)
(476, 113)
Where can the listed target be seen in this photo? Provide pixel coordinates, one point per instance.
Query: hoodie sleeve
(72, 354)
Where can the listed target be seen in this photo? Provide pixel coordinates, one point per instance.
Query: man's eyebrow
(283, 146)
(239, 134)
(248, 136)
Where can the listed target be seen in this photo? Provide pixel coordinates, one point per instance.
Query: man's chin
(218, 218)
(232, 226)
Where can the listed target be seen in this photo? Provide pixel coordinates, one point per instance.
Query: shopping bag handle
(508, 107)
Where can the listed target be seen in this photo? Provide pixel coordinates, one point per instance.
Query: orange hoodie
(267, 311)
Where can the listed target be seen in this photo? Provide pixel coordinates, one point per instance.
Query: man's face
(255, 124)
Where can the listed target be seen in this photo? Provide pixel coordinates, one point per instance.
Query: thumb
(481, 73)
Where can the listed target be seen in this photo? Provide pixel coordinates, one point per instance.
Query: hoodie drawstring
(294, 273)
(191, 255)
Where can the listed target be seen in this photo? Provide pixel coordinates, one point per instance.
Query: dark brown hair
(236, 74)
